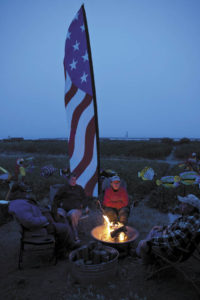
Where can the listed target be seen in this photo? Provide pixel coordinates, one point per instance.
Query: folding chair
(37, 248)
(53, 190)
(161, 263)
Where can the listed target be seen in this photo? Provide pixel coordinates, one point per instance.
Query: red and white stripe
(82, 145)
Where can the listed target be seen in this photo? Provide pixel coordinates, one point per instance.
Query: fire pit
(115, 235)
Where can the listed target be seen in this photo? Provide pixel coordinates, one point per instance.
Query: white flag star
(76, 46)
(68, 35)
(82, 28)
(84, 77)
(73, 64)
(76, 16)
(85, 57)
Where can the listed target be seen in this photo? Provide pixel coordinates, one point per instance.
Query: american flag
(80, 105)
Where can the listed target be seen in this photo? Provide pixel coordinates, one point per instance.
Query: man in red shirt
(116, 202)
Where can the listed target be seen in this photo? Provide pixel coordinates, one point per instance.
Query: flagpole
(94, 95)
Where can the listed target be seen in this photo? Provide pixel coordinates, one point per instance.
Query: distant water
(111, 138)
(146, 139)
(128, 139)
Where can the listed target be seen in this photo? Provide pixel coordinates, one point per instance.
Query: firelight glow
(110, 227)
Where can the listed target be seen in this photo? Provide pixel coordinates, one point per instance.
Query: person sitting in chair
(70, 202)
(116, 202)
(105, 176)
(25, 208)
(172, 241)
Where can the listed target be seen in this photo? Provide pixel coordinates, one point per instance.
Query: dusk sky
(146, 60)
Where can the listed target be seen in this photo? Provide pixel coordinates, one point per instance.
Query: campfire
(114, 233)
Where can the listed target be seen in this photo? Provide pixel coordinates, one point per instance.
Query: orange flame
(110, 226)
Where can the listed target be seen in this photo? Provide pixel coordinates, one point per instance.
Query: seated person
(170, 241)
(25, 208)
(116, 202)
(69, 201)
(106, 176)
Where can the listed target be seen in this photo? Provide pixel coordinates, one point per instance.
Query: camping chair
(53, 190)
(105, 185)
(159, 263)
(37, 248)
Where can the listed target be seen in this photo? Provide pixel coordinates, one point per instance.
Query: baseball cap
(115, 178)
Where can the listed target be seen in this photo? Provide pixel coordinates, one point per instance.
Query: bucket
(94, 273)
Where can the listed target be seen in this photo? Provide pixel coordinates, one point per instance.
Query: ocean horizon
(101, 138)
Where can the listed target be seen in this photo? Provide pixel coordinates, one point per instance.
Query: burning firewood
(117, 231)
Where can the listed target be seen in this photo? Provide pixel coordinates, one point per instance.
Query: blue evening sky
(146, 59)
